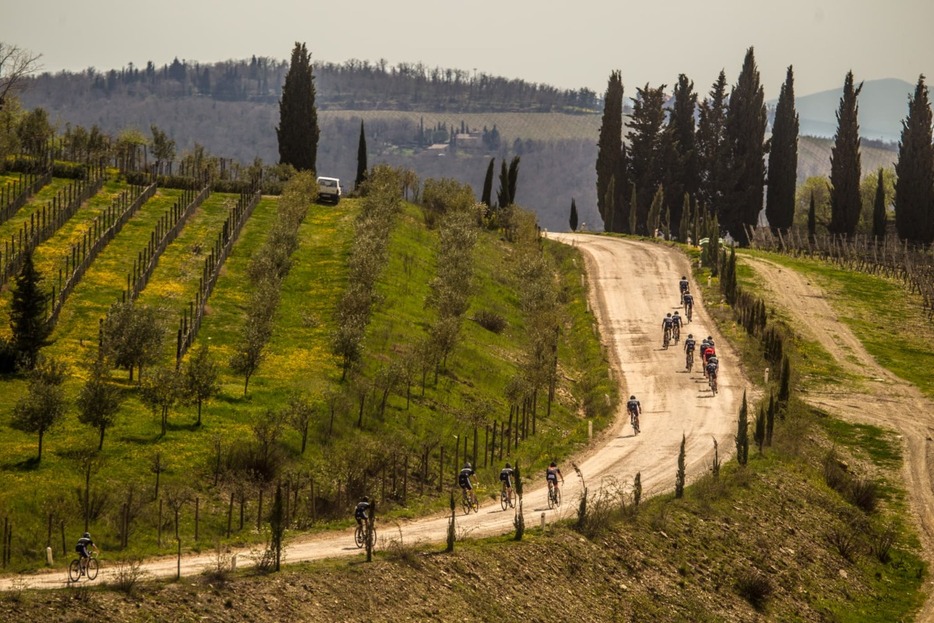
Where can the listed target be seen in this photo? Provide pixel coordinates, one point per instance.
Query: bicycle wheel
(465, 502)
(93, 567)
(557, 497)
(551, 497)
(74, 570)
(689, 363)
(359, 537)
(474, 502)
(503, 499)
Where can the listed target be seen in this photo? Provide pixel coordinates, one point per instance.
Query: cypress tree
(28, 315)
(361, 159)
(684, 227)
(610, 143)
(711, 146)
(632, 211)
(502, 195)
(914, 185)
(683, 176)
(878, 210)
(513, 178)
(845, 202)
(742, 434)
(298, 118)
(759, 434)
(488, 185)
(609, 204)
(784, 386)
(770, 420)
(680, 474)
(745, 139)
(646, 152)
(573, 220)
(783, 160)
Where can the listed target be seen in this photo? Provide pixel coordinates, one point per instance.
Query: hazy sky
(567, 44)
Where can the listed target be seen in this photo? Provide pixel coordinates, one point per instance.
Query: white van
(329, 189)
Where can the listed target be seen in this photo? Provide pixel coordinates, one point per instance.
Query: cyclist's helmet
(553, 464)
(87, 535)
(365, 499)
(683, 277)
(467, 465)
(508, 466)
(676, 313)
(632, 397)
(690, 336)
(669, 314)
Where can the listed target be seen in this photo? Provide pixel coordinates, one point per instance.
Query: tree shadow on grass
(26, 465)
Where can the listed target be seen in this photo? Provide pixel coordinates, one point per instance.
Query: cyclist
(464, 480)
(683, 287)
(634, 407)
(689, 345)
(552, 473)
(712, 368)
(688, 299)
(505, 476)
(709, 350)
(362, 511)
(676, 325)
(666, 328)
(82, 548)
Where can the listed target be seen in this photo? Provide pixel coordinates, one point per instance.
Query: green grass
(888, 320)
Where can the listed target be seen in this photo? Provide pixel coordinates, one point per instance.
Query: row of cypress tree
(717, 164)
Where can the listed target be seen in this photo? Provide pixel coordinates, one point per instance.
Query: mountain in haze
(883, 104)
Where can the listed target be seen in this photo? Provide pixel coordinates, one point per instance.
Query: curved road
(633, 285)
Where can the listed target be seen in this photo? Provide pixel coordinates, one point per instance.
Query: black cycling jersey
(683, 284)
(688, 298)
(506, 476)
(552, 473)
(463, 478)
(690, 344)
(633, 406)
(83, 544)
(676, 321)
(360, 512)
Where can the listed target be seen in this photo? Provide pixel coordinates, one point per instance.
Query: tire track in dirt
(904, 407)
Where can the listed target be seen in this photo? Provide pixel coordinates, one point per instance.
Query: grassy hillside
(768, 542)
(353, 444)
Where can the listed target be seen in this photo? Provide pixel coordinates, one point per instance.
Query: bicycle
(712, 381)
(506, 498)
(634, 420)
(689, 361)
(469, 501)
(666, 338)
(676, 333)
(75, 570)
(689, 311)
(554, 495)
(359, 535)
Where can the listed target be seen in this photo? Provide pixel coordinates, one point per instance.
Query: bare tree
(15, 64)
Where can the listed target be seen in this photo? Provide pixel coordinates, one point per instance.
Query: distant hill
(883, 104)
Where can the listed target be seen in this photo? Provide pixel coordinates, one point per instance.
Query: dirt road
(878, 397)
(634, 284)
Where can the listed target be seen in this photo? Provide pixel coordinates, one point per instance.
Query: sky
(567, 45)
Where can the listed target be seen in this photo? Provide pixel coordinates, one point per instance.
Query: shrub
(882, 541)
(864, 494)
(491, 321)
(845, 539)
(755, 588)
(835, 475)
(128, 575)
